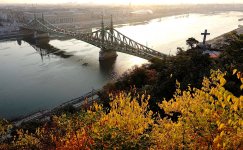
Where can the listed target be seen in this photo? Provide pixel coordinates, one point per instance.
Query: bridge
(107, 38)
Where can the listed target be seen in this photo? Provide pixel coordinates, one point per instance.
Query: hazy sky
(124, 1)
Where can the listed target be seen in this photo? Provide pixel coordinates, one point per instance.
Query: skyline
(124, 1)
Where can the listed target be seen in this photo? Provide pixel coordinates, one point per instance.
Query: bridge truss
(106, 38)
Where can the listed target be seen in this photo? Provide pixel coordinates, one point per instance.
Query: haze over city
(127, 1)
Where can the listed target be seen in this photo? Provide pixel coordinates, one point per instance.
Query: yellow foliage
(128, 115)
(4, 126)
(210, 118)
(127, 120)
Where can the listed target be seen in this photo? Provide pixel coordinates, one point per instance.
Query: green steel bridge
(106, 38)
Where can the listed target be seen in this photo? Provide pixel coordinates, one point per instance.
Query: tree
(191, 42)
(232, 56)
(211, 117)
(4, 128)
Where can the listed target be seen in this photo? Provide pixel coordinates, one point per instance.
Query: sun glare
(124, 1)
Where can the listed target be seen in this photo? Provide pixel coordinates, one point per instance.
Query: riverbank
(45, 115)
(13, 36)
(8, 32)
(135, 19)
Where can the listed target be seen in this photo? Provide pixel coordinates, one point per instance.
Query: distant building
(212, 54)
(3, 16)
(60, 17)
(142, 12)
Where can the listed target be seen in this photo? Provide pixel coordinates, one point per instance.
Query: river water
(30, 81)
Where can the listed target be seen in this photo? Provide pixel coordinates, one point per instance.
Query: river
(30, 81)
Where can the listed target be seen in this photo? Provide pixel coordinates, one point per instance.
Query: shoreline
(141, 19)
(118, 22)
(44, 115)
(13, 36)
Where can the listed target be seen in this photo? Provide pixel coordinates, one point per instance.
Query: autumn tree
(211, 117)
(192, 42)
(4, 131)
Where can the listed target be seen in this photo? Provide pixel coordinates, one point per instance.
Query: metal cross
(205, 36)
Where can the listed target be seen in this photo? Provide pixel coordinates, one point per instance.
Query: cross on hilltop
(205, 36)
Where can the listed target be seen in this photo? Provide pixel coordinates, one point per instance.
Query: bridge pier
(107, 54)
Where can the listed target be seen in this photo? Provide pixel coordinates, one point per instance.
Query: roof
(212, 54)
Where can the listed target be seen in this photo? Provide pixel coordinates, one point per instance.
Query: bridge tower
(42, 17)
(105, 53)
(102, 32)
(111, 29)
(37, 34)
